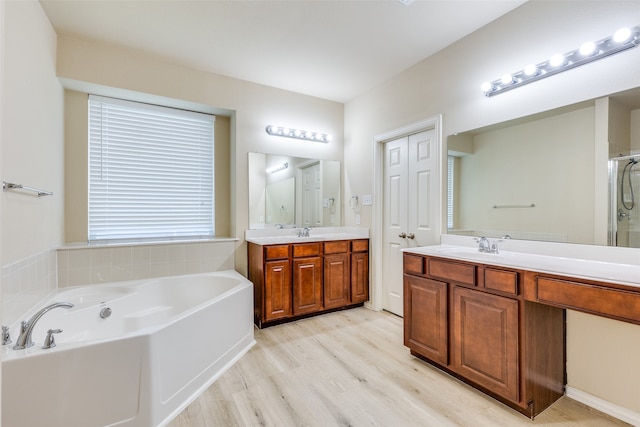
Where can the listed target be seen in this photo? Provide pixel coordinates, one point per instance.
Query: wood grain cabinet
(426, 328)
(337, 269)
(359, 271)
(485, 340)
(472, 321)
(296, 280)
(307, 278)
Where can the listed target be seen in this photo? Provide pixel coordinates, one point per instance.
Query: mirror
(533, 178)
(290, 192)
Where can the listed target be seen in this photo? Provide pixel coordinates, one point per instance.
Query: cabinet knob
(411, 236)
(402, 235)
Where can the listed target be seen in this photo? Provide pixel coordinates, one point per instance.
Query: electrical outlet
(366, 200)
(357, 219)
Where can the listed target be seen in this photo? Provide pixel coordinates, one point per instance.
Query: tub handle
(6, 336)
(50, 341)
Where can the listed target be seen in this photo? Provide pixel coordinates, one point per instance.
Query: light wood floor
(349, 368)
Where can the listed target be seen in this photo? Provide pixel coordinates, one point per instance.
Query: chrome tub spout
(26, 327)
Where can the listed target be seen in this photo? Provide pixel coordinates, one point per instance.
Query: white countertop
(625, 274)
(320, 234)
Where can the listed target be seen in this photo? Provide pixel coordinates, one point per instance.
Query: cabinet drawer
(276, 252)
(307, 249)
(501, 280)
(360, 246)
(452, 271)
(336, 247)
(414, 264)
(607, 302)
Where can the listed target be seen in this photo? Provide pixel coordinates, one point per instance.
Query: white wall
(448, 83)
(32, 143)
(31, 153)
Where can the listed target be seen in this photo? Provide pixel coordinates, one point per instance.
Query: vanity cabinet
(426, 330)
(296, 280)
(336, 274)
(485, 340)
(359, 271)
(472, 321)
(307, 278)
(277, 296)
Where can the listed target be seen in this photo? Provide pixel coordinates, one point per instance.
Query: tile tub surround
(29, 281)
(26, 282)
(83, 264)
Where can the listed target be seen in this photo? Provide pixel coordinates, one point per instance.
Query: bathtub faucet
(26, 327)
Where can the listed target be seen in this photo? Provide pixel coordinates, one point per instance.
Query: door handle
(411, 236)
(402, 235)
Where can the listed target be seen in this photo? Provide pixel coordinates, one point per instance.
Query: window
(450, 187)
(150, 172)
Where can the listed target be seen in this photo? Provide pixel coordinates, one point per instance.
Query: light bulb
(274, 129)
(622, 35)
(507, 79)
(530, 70)
(557, 60)
(328, 138)
(486, 87)
(587, 48)
(297, 133)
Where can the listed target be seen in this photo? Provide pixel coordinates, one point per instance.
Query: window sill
(85, 245)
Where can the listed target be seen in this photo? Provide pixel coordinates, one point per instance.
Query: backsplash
(26, 282)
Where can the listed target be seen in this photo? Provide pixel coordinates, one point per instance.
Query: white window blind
(150, 172)
(450, 189)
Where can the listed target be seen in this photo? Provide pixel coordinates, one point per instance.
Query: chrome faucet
(304, 232)
(483, 244)
(26, 327)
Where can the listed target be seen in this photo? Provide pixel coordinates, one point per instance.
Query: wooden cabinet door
(425, 318)
(277, 290)
(359, 277)
(485, 335)
(307, 285)
(336, 280)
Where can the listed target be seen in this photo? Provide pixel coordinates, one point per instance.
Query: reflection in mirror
(534, 178)
(289, 192)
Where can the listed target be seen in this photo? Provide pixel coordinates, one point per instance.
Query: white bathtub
(165, 342)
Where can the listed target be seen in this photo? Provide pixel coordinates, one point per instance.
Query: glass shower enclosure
(624, 201)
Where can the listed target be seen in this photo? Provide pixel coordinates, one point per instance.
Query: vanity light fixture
(623, 39)
(278, 168)
(298, 134)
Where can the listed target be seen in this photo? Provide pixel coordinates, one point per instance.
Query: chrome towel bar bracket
(9, 186)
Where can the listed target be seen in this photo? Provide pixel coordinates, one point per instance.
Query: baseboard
(604, 406)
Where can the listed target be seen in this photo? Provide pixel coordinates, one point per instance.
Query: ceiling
(334, 50)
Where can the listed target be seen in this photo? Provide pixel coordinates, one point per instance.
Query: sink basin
(589, 269)
(275, 240)
(470, 254)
